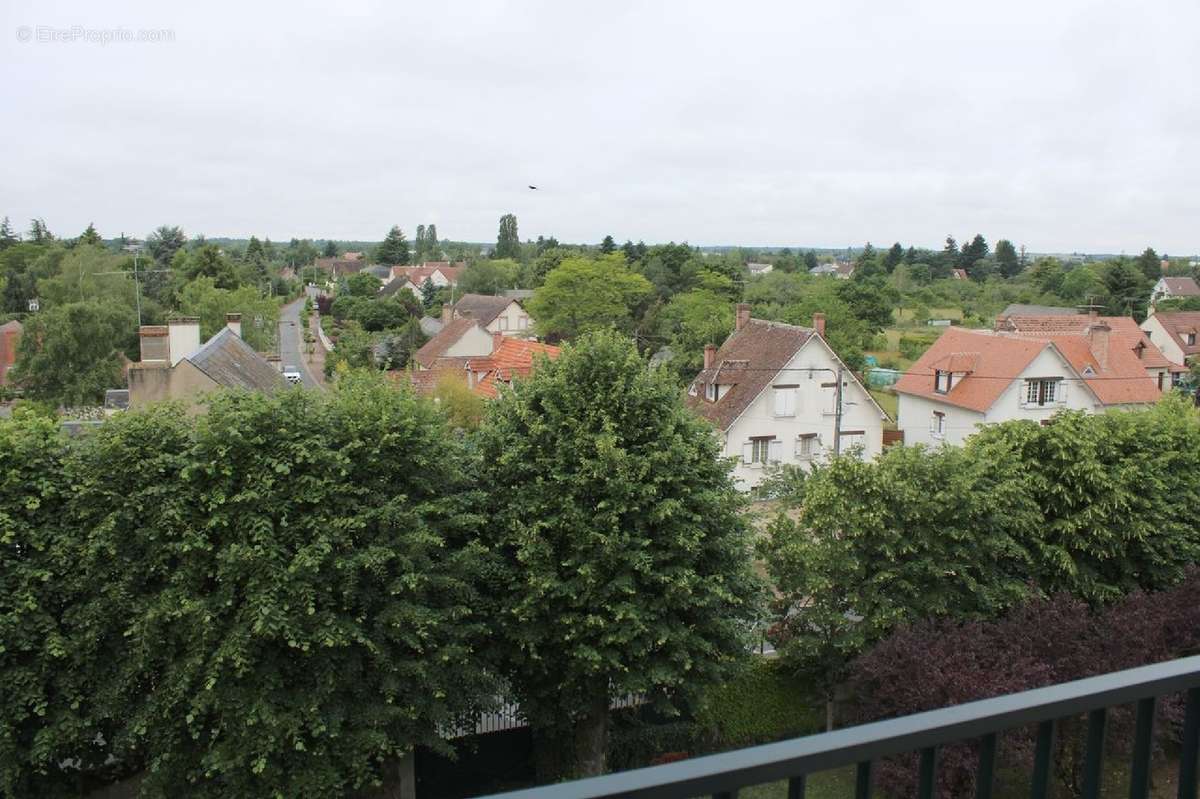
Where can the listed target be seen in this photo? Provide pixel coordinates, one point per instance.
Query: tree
(207, 261)
(893, 258)
(690, 321)
(420, 254)
(1081, 285)
(624, 561)
(428, 293)
(972, 252)
(1047, 274)
(164, 242)
(394, 249)
(254, 251)
(1006, 259)
(7, 237)
(362, 284)
(950, 251)
(70, 354)
(508, 243)
(871, 300)
(1128, 289)
(607, 246)
(582, 295)
(489, 276)
(330, 250)
(629, 251)
(1150, 264)
(90, 236)
(39, 233)
(203, 298)
(433, 249)
(810, 259)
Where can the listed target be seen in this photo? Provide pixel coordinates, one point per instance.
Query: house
(824, 269)
(771, 392)
(1176, 333)
(1171, 288)
(845, 270)
(495, 314)
(1124, 333)
(353, 256)
(439, 273)
(339, 267)
(759, 269)
(384, 273)
(959, 274)
(485, 374)
(973, 377)
(174, 364)
(458, 338)
(10, 339)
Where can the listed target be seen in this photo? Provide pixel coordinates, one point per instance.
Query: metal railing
(722, 775)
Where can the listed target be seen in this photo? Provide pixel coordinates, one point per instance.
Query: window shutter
(747, 452)
(780, 402)
(791, 401)
(775, 453)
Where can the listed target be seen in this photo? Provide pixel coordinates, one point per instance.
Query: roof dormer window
(710, 392)
(942, 381)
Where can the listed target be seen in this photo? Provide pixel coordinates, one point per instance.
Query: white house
(1170, 288)
(771, 392)
(460, 338)
(495, 314)
(439, 273)
(759, 269)
(973, 377)
(1176, 333)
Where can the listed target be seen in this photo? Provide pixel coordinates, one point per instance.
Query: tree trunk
(829, 713)
(591, 738)
(550, 755)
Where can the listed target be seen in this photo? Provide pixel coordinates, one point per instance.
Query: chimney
(497, 340)
(155, 343)
(710, 354)
(233, 321)
(1098, 342)
(184, 337)
(743, 315)
(447, 313)
(1001, 322)
(819, 324)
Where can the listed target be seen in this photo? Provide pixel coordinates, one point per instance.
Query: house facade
(1170, 288)
(458, 338)
(771, 393)
(973, 377)
(495, 314)
(1176, 334)
(439, 273)
(174, 364)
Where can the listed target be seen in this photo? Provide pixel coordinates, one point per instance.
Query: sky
(1058, 124)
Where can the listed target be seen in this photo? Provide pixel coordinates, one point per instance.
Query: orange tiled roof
(1125, 333)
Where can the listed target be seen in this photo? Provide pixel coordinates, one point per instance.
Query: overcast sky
(1062, 125)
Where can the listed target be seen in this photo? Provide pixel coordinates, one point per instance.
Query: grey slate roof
(430, 326)
(233, 363)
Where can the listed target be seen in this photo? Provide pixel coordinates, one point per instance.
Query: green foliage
(1092, 505)
(914, 346)
(508, 242)
(292, 575)
(164, 242)
(486, 276)
(1150, 264)
(463, 408)
(362, 284)
(353, 350)
(394, 249)
(203, 298)
(624, 558)
(208, 262)
(582, 294)
(693, 319)
(764, 703)
(70, 354)
(794, 298)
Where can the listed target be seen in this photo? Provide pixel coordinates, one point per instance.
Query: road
(291, 342)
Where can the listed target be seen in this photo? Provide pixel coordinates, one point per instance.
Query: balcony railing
(722, 775)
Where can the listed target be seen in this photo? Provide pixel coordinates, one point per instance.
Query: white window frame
(710, 392)
(937, 424)
(761, 451)
(938, 374)
(807, 446)
(1036, 396)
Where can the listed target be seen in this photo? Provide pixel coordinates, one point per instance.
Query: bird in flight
(535, 188)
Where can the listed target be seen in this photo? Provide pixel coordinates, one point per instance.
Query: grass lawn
(889, 402)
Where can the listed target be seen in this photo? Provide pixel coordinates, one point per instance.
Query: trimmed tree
(624, 562)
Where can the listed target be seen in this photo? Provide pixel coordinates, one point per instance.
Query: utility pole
(837, 416)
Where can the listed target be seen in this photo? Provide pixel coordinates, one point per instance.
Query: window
(1160, 381)
(806, 446)
(937, 425)
(1191, 339)
(710, 392)
(761, 450)
(504, 323)
(1042, 391)
(522, 323)
(785, 400)
(941, 381)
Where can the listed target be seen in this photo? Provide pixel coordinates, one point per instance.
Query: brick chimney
(233, 321)
(710, 354)
(184, 337)
(155, 343)
(743, 315)
(819, 324)
(1098, 342)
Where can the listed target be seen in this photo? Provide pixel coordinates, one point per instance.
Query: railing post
(1139, 779)
(927, 777)
(1093, 766)
(797, 786)
(862, 780)
(1043, 760)
(985, 776)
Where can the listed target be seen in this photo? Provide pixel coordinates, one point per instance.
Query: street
(291, 342)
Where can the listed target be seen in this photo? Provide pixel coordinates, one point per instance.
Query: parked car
(292, 375)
